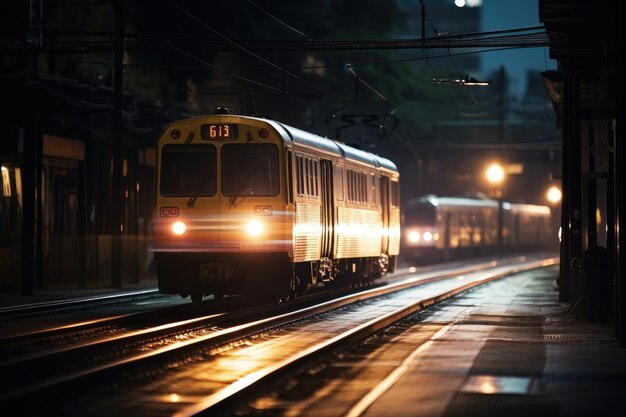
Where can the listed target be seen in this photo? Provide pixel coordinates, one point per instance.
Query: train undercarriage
(276, 277)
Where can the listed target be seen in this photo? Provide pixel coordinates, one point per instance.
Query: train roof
(337, 148)
(453, 201)
(436, 201)
(311, 140)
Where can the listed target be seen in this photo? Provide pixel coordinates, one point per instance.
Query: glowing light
(459, 3)
(414, 236)
(435, 236)
(173, 398)
(487, 387)
(412, 269)
(554, 195)
(433, 201)
(428, 236)
(6, 182)
(495, 173)
(254, 228)
(179, 228)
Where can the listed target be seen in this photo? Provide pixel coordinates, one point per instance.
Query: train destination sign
(219, 131)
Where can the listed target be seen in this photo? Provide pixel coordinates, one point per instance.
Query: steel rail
(222, 402)
(109, 368)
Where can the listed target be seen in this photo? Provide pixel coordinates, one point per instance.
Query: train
(252, 206)
(443, 228)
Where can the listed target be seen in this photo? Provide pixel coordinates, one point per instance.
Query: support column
(117, 197)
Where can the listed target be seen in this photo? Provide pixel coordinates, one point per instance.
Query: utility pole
(117, 196)
(502, 104)
(32, 139)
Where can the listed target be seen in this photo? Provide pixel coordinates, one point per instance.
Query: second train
(442, 228)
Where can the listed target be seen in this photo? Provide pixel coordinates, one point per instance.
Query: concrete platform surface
(516, 351)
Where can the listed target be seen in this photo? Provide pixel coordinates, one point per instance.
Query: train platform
(518, 351)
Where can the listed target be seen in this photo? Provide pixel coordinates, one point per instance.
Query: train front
(222, 221)
(420, 233)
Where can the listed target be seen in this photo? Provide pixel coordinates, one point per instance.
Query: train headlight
(179, 228)
(427, 236)
(254, 228)
(414, 236)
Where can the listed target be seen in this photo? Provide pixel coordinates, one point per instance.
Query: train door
(384, 200)
(328, 217)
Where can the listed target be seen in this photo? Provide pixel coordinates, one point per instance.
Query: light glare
(495, 173)
(554, 195)
(254, 228)
(179, 228)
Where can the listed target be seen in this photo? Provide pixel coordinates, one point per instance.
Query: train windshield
(419, 214)
(250, 170)
(188, 170)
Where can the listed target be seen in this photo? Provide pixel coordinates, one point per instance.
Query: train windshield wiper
(245, 180)
(192, 200)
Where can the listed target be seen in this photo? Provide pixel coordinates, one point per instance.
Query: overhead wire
(271, 64)
(378, 93)
(277, 19)
(221, 71)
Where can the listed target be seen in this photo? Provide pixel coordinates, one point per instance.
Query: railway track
(128, 357)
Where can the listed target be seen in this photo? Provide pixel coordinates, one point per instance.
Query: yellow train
(246, 205)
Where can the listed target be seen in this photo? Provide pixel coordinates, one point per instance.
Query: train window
(362, 187)
(375, 199)
(357, 187)
(339, 192)
(250, 169)
(188, 170)
(352, 185)
(395, 194)
(315, 182)
(289, 176)
(420, 214)
(350, 195)
(307, 169)
(300, 174)
(364, 193)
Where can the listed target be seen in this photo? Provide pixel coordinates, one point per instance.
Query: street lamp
(495, 175)
(554, 194)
